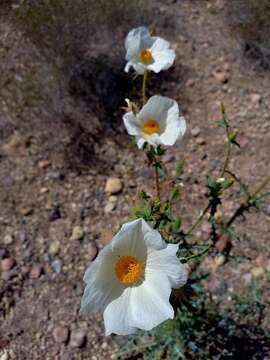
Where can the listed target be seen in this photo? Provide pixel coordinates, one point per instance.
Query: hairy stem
(199, 220)
(245, 205)
(157, 182)
(228, 154)
(144, 96)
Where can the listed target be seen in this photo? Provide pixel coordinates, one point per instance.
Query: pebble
(220, 260)
(43, 164)
(57, 265)
(224, 243)
(113, 186)
(3, 253)
(7, 264)
(77, 338)
(54, 247)
(77, 233)
(61, 334)
(26, 210)
(221, 76)
(8, 239)
(195, 131)
(255, 99)
(109, 207)
(92, 251)
(113, 198)
(36, 271)
(200, 141)
(257, 271)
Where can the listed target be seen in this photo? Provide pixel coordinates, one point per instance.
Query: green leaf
(173, 194)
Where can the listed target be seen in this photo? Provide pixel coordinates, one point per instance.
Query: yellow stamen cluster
(151, 126)
(128, 270)
(146, 56)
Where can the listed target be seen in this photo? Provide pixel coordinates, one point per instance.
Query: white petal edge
(117, 315)
(150, 304)
(166, 260)
(163, 60)
(131, 123)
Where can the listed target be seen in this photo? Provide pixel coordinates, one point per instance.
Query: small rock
(113, 186)
(8, 239)
(43, 164)
(77, 338)
(36, 271)
(57, 265)
(195, 131)
(220, 260)
(43, 190)
(92, 251)
(200, 141)
(113, 198)
(61, 334)
(77, 233)
(255, 99)
(109, 207)
(26, 210)
(54, 247)
(221, 76)
(3, 253)
(7, 264)
(224, 243)
(4, 355)
(190, 82)
(55, 214)
(257, 272)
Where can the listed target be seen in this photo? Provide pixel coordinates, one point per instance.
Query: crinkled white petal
(140, 307)
(139, 39)
(166, 261)
(117, 315)
(175, 130)
(132, 124)
(129, 240)
(157, 108)
(150, 301)
(166, 112)
(136, 40)
(163, 60)
(134, 237)
(102, 285)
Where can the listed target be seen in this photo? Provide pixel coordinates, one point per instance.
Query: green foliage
(202, 330)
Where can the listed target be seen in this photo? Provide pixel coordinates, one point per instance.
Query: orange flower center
(128, 269)
(151, 126)
(146, 56)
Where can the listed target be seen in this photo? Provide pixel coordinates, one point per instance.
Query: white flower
(158, 122)
(147, 52)
(132, 278)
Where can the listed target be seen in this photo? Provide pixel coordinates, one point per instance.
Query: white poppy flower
(147, 52)
(158, 122)
(132, 278)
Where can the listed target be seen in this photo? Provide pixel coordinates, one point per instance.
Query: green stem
(245, 206)
(157, 182)
(145, 74)
(228, 154)
(209, 247)
(199, 220)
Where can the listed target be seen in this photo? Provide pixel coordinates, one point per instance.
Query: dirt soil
(55, 214)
